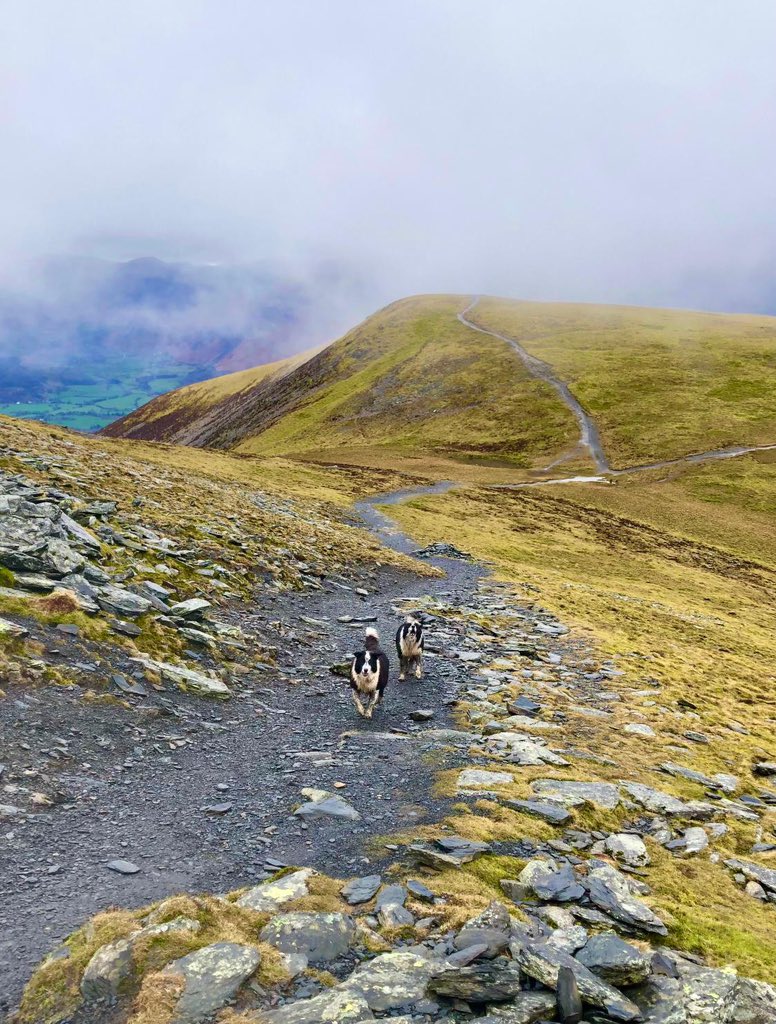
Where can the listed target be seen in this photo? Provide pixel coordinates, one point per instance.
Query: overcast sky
(611, 150)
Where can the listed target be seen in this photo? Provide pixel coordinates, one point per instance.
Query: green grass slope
(660, 383)
(411, 379)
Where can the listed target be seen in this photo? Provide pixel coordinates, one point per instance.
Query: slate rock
(654, 799)
(554, 814)
(490, 981)
(695, 841)
(543, 963)
(319, 937)
(467, 954)
(212, 977)
(270, 896)
(328, 807)
(390, 908)
(122, 602)
(393, 980)
(524, 706)
(123, 867)
(336, 1006)
(188, 680)
(492, 928)
(471, 778)
(526, 1008)
(8, 628)
(627, 848)
(617, 962)
(419, 891)
(568, 997)
(421, 715)
(609, 890)
(194, 608)
(703, 995)
(110, 966)
(755, 872)
(573, 794)
(360, 890)
(549, 881)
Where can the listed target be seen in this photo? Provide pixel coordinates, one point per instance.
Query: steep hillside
(410, 378)
(188, 414)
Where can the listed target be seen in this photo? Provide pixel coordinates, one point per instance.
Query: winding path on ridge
(589, 436)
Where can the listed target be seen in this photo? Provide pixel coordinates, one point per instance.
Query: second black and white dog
(409, 645)
(369, 675)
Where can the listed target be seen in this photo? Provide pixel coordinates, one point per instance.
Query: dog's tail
(372, 634)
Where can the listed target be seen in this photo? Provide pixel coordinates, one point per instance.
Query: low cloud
(600, 151)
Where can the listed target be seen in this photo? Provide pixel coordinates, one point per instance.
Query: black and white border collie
(369, 675)
(409, 644)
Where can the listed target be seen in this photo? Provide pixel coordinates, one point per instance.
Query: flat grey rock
(554, 814)
(337, 1006)
(628, 849)
(360, 890)
(123, 867)
(328, 807)
(525, 1008)
(393, 980)
(212, 977)
(573, 794)
(270, 896)
(319, 937)
(615, 961)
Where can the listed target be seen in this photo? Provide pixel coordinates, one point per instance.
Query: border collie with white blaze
(409, 644)
(369, 675)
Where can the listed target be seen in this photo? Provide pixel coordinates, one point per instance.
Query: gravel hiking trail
(199, 798)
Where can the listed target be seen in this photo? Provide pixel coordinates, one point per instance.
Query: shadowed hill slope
(409, 378)
(192, 414)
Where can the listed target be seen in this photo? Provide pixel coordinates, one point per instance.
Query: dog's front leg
(419, 666)
(402, 667)
(359, 705)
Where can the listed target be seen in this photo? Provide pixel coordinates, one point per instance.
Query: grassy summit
(660, 383)
(414, 381)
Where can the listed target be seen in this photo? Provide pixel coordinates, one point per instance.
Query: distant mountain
(84, 341)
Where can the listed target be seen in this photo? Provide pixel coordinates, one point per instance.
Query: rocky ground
(515, 890)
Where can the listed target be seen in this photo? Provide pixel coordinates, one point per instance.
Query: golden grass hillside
(660, 383)
(413, 383)
(672, 574)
